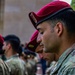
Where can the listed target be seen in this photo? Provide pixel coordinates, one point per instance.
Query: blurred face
(23, 56)
(5, 47)
(39, 48)
(49, 37)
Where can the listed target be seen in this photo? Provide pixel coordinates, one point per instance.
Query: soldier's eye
(41, 32)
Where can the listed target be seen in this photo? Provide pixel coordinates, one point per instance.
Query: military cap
(29, 52)
(32, 44)
(48, 11)
(1, 39)
(1, 44)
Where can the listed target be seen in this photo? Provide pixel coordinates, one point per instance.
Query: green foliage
(73, 4)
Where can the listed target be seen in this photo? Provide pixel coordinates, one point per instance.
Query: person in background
(22, 54)
(11, 47)
(56, 23)
(31, 63)
(4, 69)
(32, 46)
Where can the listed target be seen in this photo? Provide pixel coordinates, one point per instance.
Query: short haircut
(68, 18)
(13, 40)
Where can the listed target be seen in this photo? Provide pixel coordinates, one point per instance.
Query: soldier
(4, 69)
(44, 59)
(34, 46)
(31, 63)
(11, 46)
(56, 24)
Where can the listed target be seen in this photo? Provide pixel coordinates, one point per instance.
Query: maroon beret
(1, 40)
(48, 11)
(32, 45)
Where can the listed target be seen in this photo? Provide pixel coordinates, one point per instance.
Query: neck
(65, 45)
(10, 53)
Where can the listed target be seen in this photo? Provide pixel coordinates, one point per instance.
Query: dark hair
(13, 40)
(20, 50)
(1, 45)
(67, 18)
(1, 51)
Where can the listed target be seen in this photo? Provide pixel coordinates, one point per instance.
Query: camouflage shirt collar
(70, 49)
(13, 56)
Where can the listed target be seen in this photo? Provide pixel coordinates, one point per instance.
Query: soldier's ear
(59, 28)
(9, 45)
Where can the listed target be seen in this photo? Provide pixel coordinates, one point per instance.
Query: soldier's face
(49, 37)
(39, 48)
(5, 47)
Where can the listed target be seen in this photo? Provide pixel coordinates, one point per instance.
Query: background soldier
(11, 46)
(4, 69)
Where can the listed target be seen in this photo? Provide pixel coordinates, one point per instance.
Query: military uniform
(51, 67)
(31, 67)
(4, 69)
(17, 65)
(66, 63)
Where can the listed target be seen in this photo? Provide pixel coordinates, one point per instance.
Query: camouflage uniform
(31, 67)
(4, 69)
(66, 63)
(51, 67)
(17, 65)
